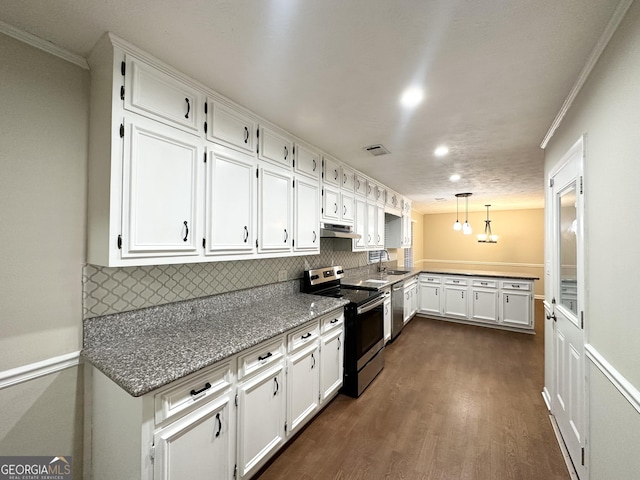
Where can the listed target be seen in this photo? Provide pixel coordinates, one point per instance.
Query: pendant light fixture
(457, 226)
(466, 228)
(487, 236)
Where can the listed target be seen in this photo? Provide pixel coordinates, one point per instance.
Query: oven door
(369, 331)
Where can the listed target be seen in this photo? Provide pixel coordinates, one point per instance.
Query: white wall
(43, 156)
(607, 110)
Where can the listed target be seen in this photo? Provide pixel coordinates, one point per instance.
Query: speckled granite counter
(145, 349)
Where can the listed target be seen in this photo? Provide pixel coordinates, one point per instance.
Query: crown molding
(609, 30)
(43, 44)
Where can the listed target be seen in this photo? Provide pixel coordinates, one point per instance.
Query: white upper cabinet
(360, 224)
(348, 179)
(307, 160)
(230, 202)
(331, 171)
(275, 147)
(230, 126)
(159, 95)
(274, 210)
(348, 206)
(307, 216)
(330, 204)
(381, 195)
(160, 192)
(360, 186)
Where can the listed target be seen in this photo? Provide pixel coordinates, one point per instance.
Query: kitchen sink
(397, 272)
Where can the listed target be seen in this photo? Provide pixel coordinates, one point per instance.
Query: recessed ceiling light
(441, 151)
(455, 177)
(412, 96)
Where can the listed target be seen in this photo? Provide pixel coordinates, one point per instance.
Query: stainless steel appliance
(397, 304)
(364, 329)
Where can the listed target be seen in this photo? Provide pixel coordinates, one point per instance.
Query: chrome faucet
(380, 268)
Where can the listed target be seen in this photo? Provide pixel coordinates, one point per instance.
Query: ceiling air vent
(376, 150)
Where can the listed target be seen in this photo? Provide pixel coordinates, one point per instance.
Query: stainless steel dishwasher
(397, 305)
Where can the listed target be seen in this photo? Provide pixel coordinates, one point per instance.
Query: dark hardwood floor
(453, 402)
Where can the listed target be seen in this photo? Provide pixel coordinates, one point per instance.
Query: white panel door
(371, 225)
(230, 204)
(484, 305)
(331, 171)
(455, 302)
(430, 296)
(568, 402)
(231, 127)
(274, 210)
(360, 224)
(200, 446)
(380, 227)
(303, 387)
(160, 185)
(261, 417)
(331, 362)
(307, 216)
(348, 213)
(516, 308)
(275, 147)
(330, 204)
(307, 161)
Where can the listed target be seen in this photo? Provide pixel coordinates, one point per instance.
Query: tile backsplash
(107, 290)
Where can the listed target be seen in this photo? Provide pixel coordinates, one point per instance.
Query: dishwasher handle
(398, 286)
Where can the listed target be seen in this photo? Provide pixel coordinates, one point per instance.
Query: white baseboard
(624, 386)
(25, 373)
(546, 397)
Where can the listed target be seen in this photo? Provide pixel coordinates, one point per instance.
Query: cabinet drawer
(455, 281)
(192, 391)
(231, 127)
(158, 95)
(515, 285)
(306, 334)
(260, 357)
(478, 282)
(430, 279)
(333, 321)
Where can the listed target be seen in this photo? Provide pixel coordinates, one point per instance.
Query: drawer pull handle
(483, 283)
(186, 233)
(219, 424)
(314, 164)
(335, 320)
(188, 108)
(314, 361)
(265, 357)
(306, 335)
(275, 379)
(515, 285)
(456, 281)
(246, 135)
(195, 392)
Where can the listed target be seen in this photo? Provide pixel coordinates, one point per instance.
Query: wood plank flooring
(453, 402)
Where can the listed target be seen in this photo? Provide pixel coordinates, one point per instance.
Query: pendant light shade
(466, 228)
(487, 236)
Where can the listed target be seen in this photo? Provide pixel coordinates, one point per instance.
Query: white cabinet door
(348, 179)
(380, 227)
(160, 192)
(330, 204)
(360, 187)
(348, 213)
(516, 308)
(275, 147)
(331, 171)
(372, 191)
(231, 127)
(307, 216)
(406, 312)
(406, 230)
(157, 95)
(484, 305)
(414, 299)
(200, 446)
(306, 161)
(387, 314)
(303, 386)
(331, 363)
(456, 302)
(372, 218)
(274, 210)
(230, 202)
(261, 418)
(361, 224)
(430, 295)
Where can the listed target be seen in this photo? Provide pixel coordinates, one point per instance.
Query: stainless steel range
(364, 326)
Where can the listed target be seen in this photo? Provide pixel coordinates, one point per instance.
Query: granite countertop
(146, 349)
(382, 279)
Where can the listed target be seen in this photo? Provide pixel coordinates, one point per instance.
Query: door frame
(578, 148)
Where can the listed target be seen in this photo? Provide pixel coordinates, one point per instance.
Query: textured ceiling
(495, 74)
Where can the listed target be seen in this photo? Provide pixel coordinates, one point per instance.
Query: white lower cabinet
(261, 413)
(456, 301)
(517, 308)
(387, 316)
(484, 305)
(430, 295)
(224, 421)
(199, 446)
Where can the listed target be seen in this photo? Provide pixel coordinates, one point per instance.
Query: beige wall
(418, 235)
(43, 153)
(607, 112)
(520, 247)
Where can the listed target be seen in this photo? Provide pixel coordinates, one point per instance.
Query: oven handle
(370, 306)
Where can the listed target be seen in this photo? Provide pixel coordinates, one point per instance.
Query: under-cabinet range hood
(338, 231)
